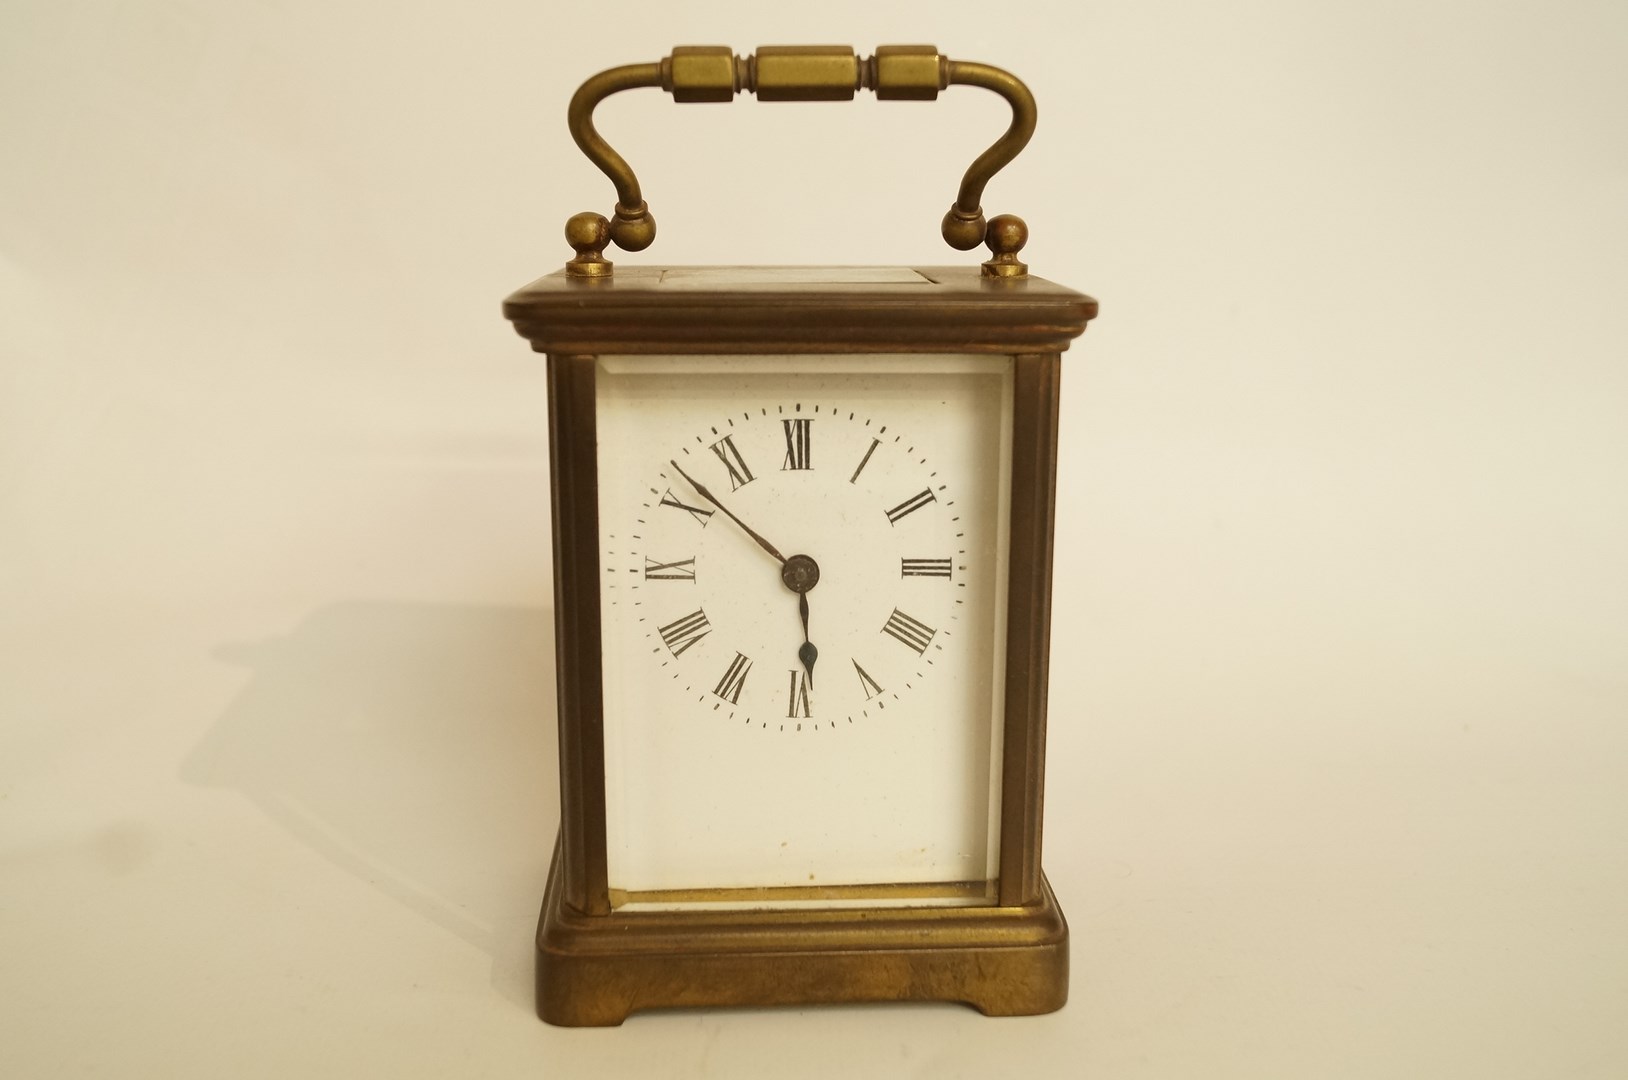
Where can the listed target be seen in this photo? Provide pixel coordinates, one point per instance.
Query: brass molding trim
(955, 309)
(713, 73)
(594, 972)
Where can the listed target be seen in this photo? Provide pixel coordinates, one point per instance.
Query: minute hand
(709, 497)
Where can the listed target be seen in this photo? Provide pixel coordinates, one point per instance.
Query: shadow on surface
(411, 745)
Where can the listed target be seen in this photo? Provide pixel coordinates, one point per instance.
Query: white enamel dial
(746, 748)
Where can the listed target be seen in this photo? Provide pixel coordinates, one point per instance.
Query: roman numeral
(868, 684)
(739, 474)
(865, 460)
(924, 568)
(683, 570)
(913, 632)
(695, 512)
(798, 705)
(681, 633)
(729, 687)
(798, 434)
(910, 505)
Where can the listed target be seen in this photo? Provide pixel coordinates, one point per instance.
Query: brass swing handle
(799, 73)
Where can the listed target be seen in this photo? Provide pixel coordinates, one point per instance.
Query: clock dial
(803, 571)
(793, 563)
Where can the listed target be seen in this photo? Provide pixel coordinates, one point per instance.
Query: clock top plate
(797, 309)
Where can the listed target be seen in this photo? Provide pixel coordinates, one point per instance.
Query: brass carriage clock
(802, 550)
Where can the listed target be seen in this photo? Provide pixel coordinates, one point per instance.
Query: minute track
(777, 514)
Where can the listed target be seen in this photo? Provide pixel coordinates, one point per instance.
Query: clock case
(595, 964)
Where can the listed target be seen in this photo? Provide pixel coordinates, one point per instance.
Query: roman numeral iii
(798, 436)
(683, 570)
(729, 687)
(924, 568)
(683, 632)
(913, 632)
(910, 505)
(739, 474)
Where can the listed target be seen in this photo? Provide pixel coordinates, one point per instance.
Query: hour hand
(806, 652)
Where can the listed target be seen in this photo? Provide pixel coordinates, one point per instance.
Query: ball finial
(588, 233)
(1006, 236)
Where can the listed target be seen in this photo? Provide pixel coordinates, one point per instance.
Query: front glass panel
(751, 763)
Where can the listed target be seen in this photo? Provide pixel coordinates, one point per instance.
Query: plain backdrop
(1339, 725)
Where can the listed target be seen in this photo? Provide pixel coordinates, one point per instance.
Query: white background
(1338, 740)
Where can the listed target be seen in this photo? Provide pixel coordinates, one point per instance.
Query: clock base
(595, 970)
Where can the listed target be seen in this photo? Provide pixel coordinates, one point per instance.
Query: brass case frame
(596, 965)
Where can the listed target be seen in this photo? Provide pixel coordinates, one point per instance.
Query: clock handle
(800, 73)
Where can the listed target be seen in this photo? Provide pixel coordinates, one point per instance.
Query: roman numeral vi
(798, 705)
